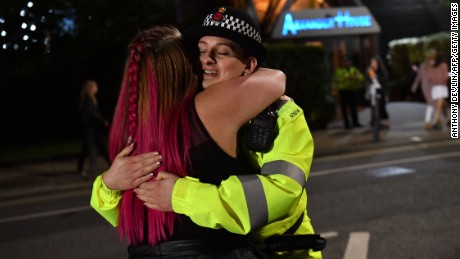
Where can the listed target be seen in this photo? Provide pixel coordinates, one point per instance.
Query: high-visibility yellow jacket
(261, 205)
(348, 78)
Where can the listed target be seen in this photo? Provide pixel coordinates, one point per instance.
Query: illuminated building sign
(341, 20)
(325, 22)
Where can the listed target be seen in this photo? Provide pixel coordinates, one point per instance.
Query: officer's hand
(157, 194)
(128, 172)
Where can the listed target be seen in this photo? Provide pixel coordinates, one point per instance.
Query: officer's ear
(251, 65)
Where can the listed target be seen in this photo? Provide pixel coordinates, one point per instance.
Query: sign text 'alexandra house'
(325, 22)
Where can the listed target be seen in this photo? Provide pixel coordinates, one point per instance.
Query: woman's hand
(128, 172)
(158, 194)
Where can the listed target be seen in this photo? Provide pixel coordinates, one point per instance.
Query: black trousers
(92, 142)
(382, 107)
(348, 105)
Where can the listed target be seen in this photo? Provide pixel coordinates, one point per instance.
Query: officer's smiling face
(221, 59)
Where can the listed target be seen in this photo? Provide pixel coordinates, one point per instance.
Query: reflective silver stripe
(255, 200)
(285, 168)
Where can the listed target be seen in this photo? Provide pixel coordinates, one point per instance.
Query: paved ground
(406, 127)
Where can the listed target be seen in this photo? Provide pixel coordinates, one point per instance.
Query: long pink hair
(153, 110)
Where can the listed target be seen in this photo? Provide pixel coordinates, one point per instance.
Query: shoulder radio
(262, 130)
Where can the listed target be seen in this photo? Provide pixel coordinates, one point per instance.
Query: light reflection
(390, 171)
(416, 139)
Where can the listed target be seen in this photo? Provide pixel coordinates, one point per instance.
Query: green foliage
(412, 50)
(403, 53)
(42, 84)
(307, 79)
(40, 151)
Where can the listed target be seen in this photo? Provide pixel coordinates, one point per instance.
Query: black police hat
(233, 24)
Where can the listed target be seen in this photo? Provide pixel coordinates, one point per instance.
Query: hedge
(406, 52)
(307, 79)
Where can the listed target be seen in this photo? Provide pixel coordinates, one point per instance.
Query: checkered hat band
(234, 24)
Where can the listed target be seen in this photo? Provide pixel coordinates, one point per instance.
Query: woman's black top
(210, 164)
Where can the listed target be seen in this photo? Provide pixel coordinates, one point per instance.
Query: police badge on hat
(219, 16)
(233, 24)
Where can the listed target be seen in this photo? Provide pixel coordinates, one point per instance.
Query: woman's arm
(416, 82)
(242, 98)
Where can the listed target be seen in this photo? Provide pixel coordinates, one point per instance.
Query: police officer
(274, 201)
(347, 78)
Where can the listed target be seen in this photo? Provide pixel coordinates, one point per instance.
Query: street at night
(92, 87)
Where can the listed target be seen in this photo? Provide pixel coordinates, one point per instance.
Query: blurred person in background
(423, 72)
(439, 78)
(376, 78)
(347, 79)
(92, 124)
